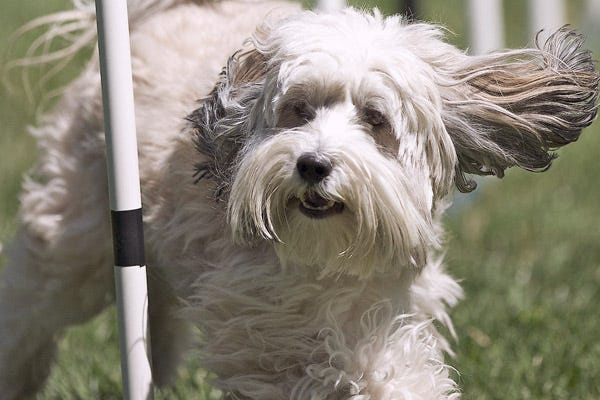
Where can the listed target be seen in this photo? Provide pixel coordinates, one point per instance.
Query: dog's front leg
(284, 337)
(379, 350)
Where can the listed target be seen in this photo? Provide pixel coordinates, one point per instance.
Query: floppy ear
(515, 107)
(222, 123)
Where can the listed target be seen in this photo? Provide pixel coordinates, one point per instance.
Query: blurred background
(526, 248)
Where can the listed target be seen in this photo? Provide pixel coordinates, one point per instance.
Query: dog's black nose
(313, 168)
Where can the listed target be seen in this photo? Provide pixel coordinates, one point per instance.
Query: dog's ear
(247, 67)
(220, 124)
(514, 108)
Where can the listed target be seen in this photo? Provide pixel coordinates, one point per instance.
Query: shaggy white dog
(293, 213)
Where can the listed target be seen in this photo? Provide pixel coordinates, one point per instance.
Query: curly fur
(290, 306)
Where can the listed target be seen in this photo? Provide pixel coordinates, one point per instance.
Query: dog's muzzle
(313, 169)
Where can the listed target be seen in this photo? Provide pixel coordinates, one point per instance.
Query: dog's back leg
(58, 269)
(38, 298)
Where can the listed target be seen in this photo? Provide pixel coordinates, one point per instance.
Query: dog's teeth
(330, 203)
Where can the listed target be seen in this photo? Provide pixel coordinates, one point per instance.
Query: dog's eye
(374, 117)
(295, 114)
(303, 111)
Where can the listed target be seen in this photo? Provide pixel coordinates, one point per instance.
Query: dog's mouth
(315, 206)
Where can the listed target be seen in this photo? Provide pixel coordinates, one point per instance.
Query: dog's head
(337, 136)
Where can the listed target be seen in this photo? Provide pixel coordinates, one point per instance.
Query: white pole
(331, 5)
(486, 23)
(591, 22)
(593, 10)
(548, 15)
(125, 198)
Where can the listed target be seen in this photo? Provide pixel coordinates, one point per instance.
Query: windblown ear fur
(515, 107)
(220, 126)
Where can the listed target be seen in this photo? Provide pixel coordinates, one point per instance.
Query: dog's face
(337, 137)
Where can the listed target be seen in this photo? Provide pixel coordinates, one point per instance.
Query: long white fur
(289, 307)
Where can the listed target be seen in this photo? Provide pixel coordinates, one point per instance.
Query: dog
(292, 199)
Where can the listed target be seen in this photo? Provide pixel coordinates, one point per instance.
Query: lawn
(527, 249)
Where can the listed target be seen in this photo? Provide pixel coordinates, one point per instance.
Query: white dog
(293, 213)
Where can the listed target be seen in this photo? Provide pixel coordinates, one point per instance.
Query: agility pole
(125, 198)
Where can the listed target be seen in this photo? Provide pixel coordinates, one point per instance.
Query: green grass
(528, 253)
(527, 249)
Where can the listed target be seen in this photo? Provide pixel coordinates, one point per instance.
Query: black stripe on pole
(128, 237)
